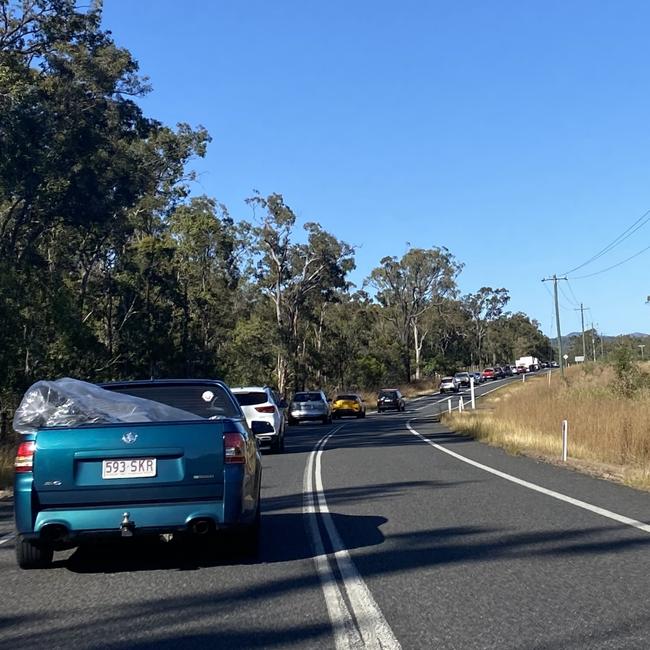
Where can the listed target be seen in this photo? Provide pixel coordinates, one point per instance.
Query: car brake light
(234, 447)
(25, 457)
(265, 409)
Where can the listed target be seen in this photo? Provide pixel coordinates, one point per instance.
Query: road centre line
(8, 538)
(533, 486)
(366, 626)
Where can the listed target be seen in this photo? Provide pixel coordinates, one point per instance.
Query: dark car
(498, 372)
(390, 399)
(463, 379)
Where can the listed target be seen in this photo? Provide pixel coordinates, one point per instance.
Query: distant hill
(566, 338)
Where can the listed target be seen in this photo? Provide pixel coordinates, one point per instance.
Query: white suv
(262, 403)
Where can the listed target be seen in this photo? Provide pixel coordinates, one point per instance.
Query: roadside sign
(579, 358)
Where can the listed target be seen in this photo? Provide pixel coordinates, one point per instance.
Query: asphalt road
(374, 535)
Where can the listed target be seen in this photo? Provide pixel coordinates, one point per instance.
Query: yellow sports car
(348, 404)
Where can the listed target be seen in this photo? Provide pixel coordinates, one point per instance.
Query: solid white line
(337, 610)
(537, 488)
(6, 539)
(371, 629)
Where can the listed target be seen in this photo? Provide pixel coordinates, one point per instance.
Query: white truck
(530, 363)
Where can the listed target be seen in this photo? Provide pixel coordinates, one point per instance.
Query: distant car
(348, 404)
(522, 370)
(507, 371)
(261, 403)
(488, 374)
(514, 370)
(310, 405)
(478, 378)
(449, 385)
(390, 399)
(463, 379)
(555, 364)
(498, 372)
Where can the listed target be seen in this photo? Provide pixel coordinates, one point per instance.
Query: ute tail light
(265, 409)
(234, 447)
(25, 457)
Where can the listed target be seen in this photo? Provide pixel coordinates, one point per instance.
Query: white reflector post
(449, 404)
(471, 390)
(565, 439)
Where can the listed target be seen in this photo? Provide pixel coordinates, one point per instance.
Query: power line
(569, 300)
(568, 284)
(613, 266)
(638, 224)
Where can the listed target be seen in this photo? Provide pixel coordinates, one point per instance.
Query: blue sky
(516, 134)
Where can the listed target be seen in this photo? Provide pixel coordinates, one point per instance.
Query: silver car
(310, 405)
(449, 385)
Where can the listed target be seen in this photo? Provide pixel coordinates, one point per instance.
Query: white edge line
(537, 488)
(8, 538)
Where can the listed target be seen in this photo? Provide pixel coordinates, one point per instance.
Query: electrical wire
(638, 224)
(568, 284)
(569, 300)
(613, 266)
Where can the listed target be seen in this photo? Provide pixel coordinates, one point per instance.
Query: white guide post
(471, 390)
(461, 405)
(565, 440)
(449, 404)
(549, 377)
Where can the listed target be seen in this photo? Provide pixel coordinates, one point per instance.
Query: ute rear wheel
(30, 555)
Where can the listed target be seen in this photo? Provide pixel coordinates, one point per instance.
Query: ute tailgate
(129, 463)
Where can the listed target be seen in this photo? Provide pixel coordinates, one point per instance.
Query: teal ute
(123, 479)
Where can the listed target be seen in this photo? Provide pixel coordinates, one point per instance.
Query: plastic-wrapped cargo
(70, 402)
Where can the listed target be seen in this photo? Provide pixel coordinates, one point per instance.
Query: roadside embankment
(608, 432)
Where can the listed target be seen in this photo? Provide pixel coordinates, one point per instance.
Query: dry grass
(608, 435)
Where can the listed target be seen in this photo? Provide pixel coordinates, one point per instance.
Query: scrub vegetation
(607, 407)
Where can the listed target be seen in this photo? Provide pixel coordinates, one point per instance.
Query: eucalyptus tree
(407, 288)
(484, 307)
(86, 182)
(295, 276)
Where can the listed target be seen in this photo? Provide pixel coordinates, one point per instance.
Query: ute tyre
(32, 556)
(248, 539)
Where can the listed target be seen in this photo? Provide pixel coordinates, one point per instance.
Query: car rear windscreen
(207, 401)
(346, 397)
(307, 397)
(250, 399)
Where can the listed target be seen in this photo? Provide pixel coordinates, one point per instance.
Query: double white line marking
(356, 618)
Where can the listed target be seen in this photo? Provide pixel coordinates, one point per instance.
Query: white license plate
(129, 468)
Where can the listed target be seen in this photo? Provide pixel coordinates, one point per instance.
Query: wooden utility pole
(555, 279)
(584, 341)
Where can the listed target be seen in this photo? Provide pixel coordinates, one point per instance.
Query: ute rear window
(250, 399)
(307, 397)
(207, 401)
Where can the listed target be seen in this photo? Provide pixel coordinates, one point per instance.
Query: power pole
(593, 341)
(584, 342)
(555, 279)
